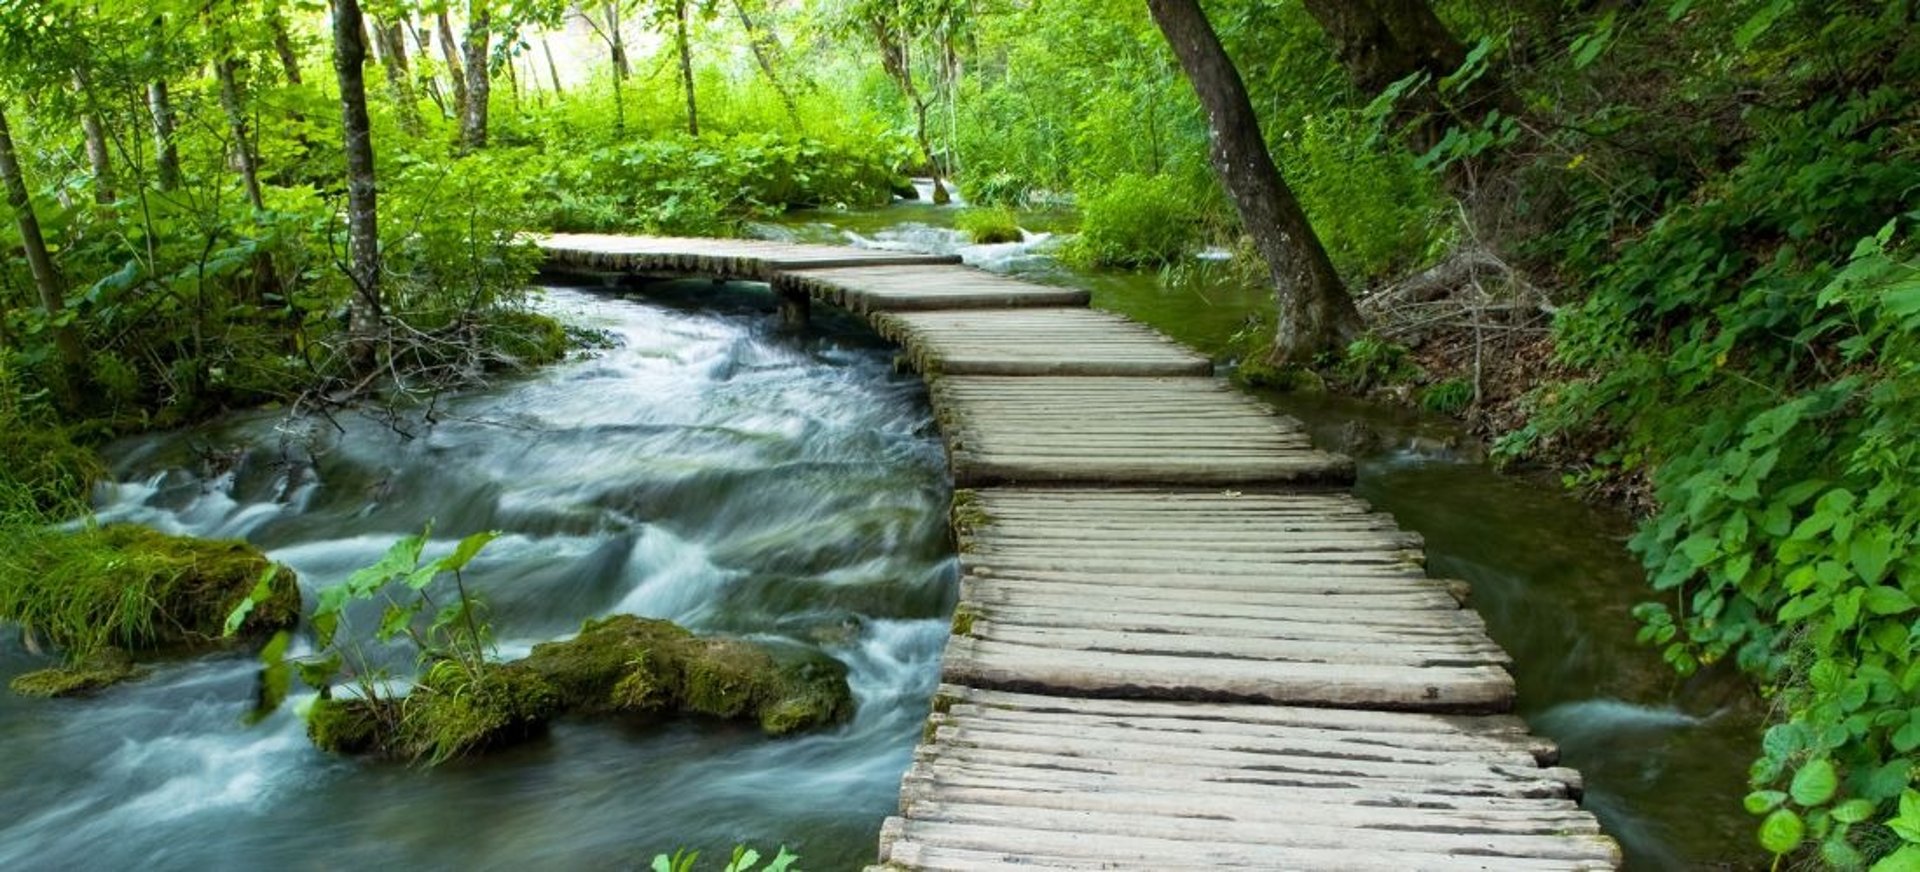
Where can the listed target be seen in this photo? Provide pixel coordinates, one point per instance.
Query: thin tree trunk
(423, 43)
(765, 46)
(283, 46)
(393, 59)
(1315, 312)
(553, 69)
(686, 65)
(456, 73)
(237, 125)
(473, 124)
(166, 157)
(46, 277)
(98, 157)
(363, 221)
(617, 43)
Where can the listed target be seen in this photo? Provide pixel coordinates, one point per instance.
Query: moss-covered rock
(130, 587)
(631, 665)
(100, 669)
(353, 726)
(527, 338)
(454, 714)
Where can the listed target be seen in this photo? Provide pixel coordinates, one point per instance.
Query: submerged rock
(100, 669)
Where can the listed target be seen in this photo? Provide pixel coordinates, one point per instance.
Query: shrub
(989, 225)
(1137, 221)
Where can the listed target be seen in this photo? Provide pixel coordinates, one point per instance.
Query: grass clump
(135, 588)
(42, 473)
(1137, 221)
(989, 225)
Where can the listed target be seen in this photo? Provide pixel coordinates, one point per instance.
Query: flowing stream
(708, 468)
(713, 469)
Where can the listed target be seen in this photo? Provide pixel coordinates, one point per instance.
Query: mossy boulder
(526, 338)
(100, 669)
(140, 590)
(630, 665)
(451, 713)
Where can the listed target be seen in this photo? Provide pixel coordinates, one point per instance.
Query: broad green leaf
(1870, 553)
(1853, 811)
(1782, 831)
(395, 619)
(1815, 783)
(1762, 801)
(319, 674)
(1907, 859)
(262, 590)
(468, 548)
(782, 860)
(1888, 601)
(1907, 824)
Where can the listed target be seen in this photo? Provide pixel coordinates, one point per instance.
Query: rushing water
(709, 468)
(1664, 761)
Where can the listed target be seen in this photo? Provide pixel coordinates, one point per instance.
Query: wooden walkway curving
(1180, 642)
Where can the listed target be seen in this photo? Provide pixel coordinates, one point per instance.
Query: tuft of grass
(989, 225)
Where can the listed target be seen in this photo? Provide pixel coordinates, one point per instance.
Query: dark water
(1664, 761)
(710, 469)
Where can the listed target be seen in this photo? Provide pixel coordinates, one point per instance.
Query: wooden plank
(874, 286)
(1032, 342)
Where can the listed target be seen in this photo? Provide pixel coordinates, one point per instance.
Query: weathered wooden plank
(1434, 687)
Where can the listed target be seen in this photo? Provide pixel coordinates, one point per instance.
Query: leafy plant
(743, 859)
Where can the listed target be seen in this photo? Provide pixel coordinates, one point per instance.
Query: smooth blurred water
(709, 468)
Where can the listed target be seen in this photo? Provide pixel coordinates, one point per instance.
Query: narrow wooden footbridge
(1180, 642)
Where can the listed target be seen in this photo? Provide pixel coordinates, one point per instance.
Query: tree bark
(237, 125)
(686, 65)
(553, 69)
(166, 157)
(363, 221)
(393, 59)
(473, 123)
(1315, 312)
(617, 44)
(765, 47)
(456, 72)
(283, 46)
(1381, 42)
(98, 157)
(46, 277)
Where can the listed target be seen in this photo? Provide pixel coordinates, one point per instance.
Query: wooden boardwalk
(1180, 642)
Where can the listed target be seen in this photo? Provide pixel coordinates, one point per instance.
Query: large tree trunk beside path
(1314, 312)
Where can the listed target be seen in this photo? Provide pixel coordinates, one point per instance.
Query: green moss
(454, 714)
(968, 515)
(963, 617)
(101, 669)
(352, 726)
(631, 665)
(527, 338)
(989, 225)
(136, 588)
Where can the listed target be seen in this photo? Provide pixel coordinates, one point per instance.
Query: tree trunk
(363, 221)
(98, 157)
(237, 125)
(617, 44)
(46, 278)
(166, 157)
(1315, 312)
(553, 69)
(456, 73)
(1381, 42)
(393, 59)
(423, 43)
(686, 64)
(473, 124)
(765, 47)
(283, 46)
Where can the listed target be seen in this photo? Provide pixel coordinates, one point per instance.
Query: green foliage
(1136, 221)
(743, 859)
(1371, 362)
(1751, 347)
(989, 225)
(1449, 397)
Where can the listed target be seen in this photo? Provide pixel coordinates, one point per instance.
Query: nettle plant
(452, 649)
